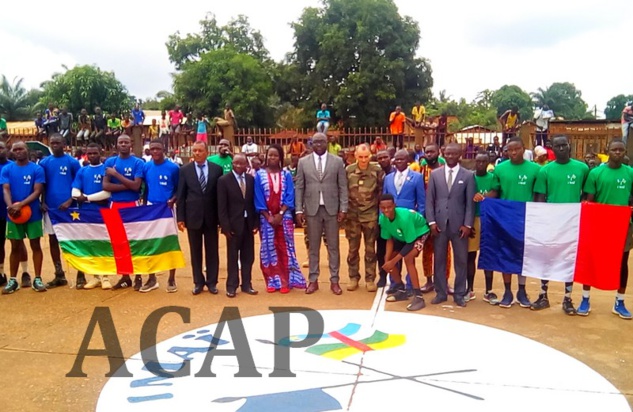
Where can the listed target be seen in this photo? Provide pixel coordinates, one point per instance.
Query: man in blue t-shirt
(88, 192)
(161, 183)
(323, 119)
(60, 170)
(22, 184)
(123, 178)
(138, 114)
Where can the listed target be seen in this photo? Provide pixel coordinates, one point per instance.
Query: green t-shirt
(407, 225)
(610, 186)
(484, 184)
(440, 160)
(3, 123)
(114, 123)
(226, 163)
(516, 182)
(562, 183)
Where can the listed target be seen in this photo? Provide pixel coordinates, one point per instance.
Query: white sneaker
(105, 283)
(93, 283)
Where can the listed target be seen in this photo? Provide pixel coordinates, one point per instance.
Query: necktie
(450, 179)
(399, 182)
(243, 186)
(202, 179)
(320, 168)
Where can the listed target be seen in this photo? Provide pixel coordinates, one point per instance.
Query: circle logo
(360, 362)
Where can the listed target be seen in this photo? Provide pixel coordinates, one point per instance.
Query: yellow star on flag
(75, 215)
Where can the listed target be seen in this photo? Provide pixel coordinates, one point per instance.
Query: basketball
(23, 216)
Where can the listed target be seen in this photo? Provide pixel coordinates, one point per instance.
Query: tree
(615, 105)
(564, 99)
(359, 56)
(509, 96)
(223, 76)
(16, 103)
(237, 34)
(86, 87)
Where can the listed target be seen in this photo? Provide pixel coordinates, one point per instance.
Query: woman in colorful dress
(274, 200)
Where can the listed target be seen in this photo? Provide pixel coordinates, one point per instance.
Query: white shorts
(48, 225)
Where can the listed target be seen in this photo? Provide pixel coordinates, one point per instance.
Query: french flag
(580, 242)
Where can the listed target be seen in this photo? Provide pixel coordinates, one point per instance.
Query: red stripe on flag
(119, 241)
(601, 244)
(350, 342)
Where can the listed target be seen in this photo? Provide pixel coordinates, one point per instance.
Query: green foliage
(86, 87)
(615, 105)
(510, 95)
(223, 76)
(359, 56)
(237, 34)
(564, 99)
(16, 103)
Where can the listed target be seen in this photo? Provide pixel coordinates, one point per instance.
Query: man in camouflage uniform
(364, 182)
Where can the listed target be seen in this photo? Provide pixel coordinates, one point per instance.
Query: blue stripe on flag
(145, 213)
(75, 215)
(502, 236)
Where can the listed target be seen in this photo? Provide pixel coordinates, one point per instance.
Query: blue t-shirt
(60, 173)
(3, 206)
(131, 168)
(161, 180)
(22, 180)
(89, 180)
(323, 113)
(202, 126)
(138, 116)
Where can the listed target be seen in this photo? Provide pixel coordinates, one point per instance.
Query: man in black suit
(197, 211)
(239, 222)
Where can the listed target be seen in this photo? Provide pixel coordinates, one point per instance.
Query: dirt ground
(41, 332)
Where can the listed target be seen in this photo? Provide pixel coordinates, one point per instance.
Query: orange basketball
(23, 216)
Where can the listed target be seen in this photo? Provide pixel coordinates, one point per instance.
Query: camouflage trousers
(354, 231)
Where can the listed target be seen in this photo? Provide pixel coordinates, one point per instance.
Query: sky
(472, 45)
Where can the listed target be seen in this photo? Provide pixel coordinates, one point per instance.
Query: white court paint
(421, 362)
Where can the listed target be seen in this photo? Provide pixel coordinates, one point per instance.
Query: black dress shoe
(230, 293)
(460, 303)
(250, 291)
(197, 290)
(213, 290)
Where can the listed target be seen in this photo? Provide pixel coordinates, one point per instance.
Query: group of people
(399, 207)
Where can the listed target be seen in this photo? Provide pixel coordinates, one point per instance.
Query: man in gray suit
(321, 193)
(450, 211)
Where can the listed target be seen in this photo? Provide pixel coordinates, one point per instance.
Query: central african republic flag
(137, 240)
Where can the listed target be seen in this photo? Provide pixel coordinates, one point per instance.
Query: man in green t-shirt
(223, 158)
(3, 128)
(612, 184)
(560, 181)
(405, 231)
(514, 180)
(484, 182)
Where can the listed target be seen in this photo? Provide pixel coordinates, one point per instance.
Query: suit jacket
(412, 195)
(451, 210)
(194, 207)
(333, 186)
(231, 204)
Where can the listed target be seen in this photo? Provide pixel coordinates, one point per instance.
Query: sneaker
(584, 308)
(394, 287)
(171, 286)
(93, 283)
(124, 282)
(81, 282)
(470, 296)
(523, 299)
(541, 303)
(105, 283)
(621, 310)
(416, 304)
(568, 307)
(3, 279)
(150, 285)
(507, 301)
(12, 286)
(26, 280)
(398, 296)
(491, 298)
(58, 281)
(138, 283)
(38, 285)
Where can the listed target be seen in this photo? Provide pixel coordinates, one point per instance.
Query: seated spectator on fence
(202, 128)
(39, 125)
(126, 123)
(188, 128)
(418, 113)
(65, 121)
(323, 119)
(296, 147)
(378, 145)
(85, 126)
(113, 130)
(152, 130)
(138, 115)
(100, 124)
(51, 121)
